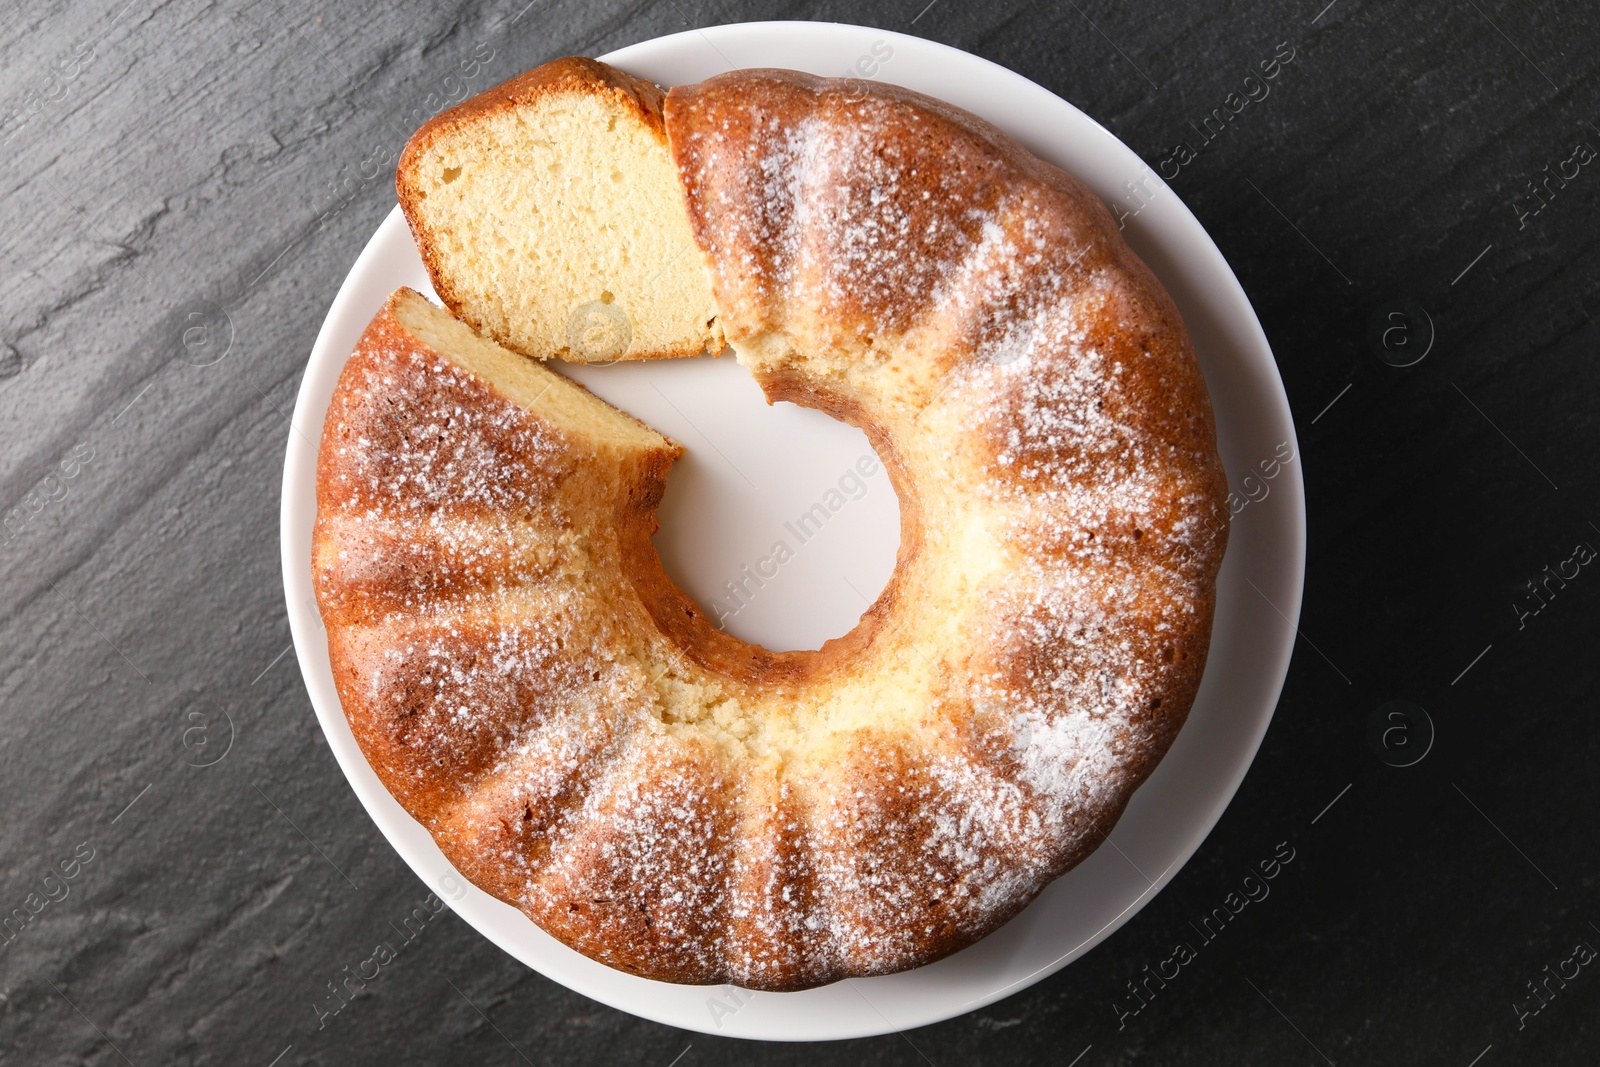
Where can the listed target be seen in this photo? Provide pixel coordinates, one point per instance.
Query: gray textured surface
(188, 182)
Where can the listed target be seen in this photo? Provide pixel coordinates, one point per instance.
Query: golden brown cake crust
(683, 805)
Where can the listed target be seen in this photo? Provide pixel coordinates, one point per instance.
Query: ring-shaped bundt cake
(580, 739)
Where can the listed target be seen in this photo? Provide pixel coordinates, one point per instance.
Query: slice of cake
(551, 218)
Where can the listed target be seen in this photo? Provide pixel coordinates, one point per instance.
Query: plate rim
(307, 633)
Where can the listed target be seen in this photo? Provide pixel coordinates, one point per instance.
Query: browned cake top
(585, 744)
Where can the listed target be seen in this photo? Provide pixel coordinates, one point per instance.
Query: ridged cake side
(466, 562)
(893, 260)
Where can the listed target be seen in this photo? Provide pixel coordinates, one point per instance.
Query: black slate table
(185, 185)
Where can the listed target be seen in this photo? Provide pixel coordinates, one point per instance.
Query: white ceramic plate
(750, 466)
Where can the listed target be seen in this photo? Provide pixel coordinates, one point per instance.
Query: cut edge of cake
(553, 398)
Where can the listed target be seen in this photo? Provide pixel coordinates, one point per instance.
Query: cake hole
(606, 297)
(451, 174)
(779, 522)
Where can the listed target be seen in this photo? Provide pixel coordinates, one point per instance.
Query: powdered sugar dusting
(645, 861)
(417, 434)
